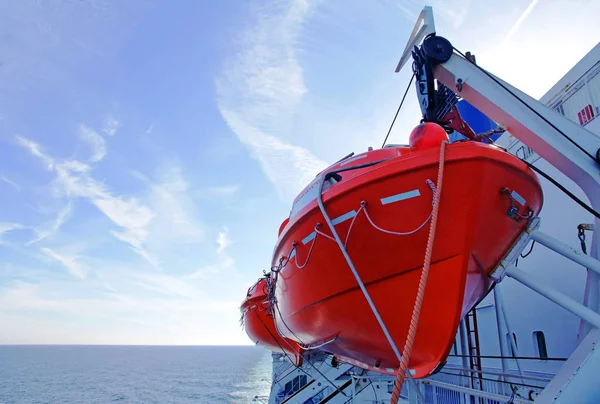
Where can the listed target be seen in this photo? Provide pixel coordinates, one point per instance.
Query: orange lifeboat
(381, 207)
(260, 327)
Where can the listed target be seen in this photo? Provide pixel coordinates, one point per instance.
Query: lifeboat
(260, 327)
(380, 203)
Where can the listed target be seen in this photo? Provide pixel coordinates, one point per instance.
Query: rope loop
(398, 233)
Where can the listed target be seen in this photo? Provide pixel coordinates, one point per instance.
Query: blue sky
(149, 150)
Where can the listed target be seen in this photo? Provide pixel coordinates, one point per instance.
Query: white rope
(307, 255)
(323, 234)
(363, 207)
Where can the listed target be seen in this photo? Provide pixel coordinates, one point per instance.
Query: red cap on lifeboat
(427, 135)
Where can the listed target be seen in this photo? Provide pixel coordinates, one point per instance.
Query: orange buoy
(427, 135)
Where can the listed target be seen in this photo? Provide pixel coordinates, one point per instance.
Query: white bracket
(423, 27)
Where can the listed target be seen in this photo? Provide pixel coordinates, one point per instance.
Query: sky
(149, 150)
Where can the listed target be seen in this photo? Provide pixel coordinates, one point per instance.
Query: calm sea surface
(133, 374)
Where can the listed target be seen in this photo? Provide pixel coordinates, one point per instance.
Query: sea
(133, 374)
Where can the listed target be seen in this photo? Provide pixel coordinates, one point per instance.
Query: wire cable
(398, 110)
(557, 185)
(526, 105)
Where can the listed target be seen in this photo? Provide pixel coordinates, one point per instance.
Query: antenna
(423, 27)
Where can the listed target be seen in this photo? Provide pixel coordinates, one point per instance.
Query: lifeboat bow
(258, 321)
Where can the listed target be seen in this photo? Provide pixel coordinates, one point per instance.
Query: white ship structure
(534, 336)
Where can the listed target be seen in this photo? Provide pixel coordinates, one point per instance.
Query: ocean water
(133, 374)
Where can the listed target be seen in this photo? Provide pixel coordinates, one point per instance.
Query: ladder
(473, 346)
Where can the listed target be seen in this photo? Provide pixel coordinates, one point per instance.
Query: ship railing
(493, 381)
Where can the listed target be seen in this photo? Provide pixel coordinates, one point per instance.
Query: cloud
(287, 166)
(95, 141)
(133, 217)
(515, 27)
(9, 182)
(167, 213)
(73, 179)
(224, 260)
(216, 192)
(454, 12)
(111, 125)
(69, 262)
(165, 316)
(51, 228)
(36, 150)
(167, 285)
(129, 213)
(7, 227)
(223, 240)
(260, 91)
(176, 210)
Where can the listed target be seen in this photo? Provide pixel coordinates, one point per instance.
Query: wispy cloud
(73, 179)
(133, 217)
(146, 223)
(168, 314)
(224, 260)
(216, 192)
(454, 12)
(95, 141)
(223, 240)
(51, 228)
(6, 227)
(111, 125)
(515, 27)
(176, 210)
(260, 91)
(287, 166)
(9, 182)
(35, 149)
(68, 261)
(167, 285)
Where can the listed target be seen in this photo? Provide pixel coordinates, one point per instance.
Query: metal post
(501, 340)
(557, 297)
(567, 251)
(463, 348)
(591, 297)
(513, 344)
(413, 397)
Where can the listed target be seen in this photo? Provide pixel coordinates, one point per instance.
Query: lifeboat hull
(260, 326)
(319, 300)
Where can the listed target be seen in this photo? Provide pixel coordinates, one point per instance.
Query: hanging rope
(363, 208)
(414, 321)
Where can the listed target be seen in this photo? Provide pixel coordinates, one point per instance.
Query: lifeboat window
(539, 342)
(510, 348)
(334, 178)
